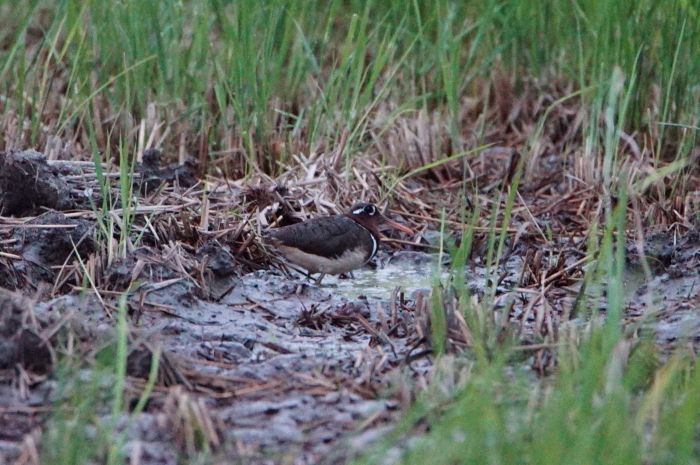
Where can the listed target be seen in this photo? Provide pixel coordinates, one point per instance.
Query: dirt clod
(18, 342)
(28, 184)
(50, 240)
(218, 259)
(153, 176)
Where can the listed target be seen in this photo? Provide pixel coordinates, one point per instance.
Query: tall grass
(283, 71)
(612, 399)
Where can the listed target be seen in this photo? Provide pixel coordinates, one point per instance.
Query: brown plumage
(333, 244)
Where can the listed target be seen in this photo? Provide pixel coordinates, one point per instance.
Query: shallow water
(408, 271)
(382, 282)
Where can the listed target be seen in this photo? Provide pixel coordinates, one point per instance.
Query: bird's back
(330, 237)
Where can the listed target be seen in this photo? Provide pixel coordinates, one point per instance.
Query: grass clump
(250, 85)
(612, 397)
(87, 395)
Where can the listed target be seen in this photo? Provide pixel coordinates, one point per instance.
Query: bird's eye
(370, 210)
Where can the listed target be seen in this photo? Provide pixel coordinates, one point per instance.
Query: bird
(333, 244)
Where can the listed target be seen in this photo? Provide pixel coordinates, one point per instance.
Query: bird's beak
(398, 226)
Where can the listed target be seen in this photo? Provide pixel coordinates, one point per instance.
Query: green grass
(87, 398)
(594, 412)
(612, 400)
(302, 72)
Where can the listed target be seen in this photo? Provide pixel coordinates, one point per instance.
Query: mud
(293, 368)
(282, 368)
(28, 185)
(151, 176)
(274, 368)
(667, 304)
(19, 344)
(35, 250)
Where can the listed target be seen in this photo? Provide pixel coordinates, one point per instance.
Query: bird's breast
(351, 259)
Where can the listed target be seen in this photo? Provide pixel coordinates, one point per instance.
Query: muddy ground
(258, 363)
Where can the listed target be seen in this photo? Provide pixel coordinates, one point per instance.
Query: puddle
(410, 271)
(381, 283)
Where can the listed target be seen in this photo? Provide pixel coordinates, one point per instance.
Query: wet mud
(280, 367)
(665, 302)
(28, 184)
(285, 368)
(274, 368)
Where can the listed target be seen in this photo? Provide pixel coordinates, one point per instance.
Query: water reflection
(406, 271)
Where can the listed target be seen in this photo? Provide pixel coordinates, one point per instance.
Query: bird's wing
(329, 236)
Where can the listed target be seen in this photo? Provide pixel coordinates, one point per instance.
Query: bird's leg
(305, 273)
(319, 279)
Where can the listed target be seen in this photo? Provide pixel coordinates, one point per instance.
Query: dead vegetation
(186, 236)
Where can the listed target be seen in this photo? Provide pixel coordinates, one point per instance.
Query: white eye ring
(369, 209)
